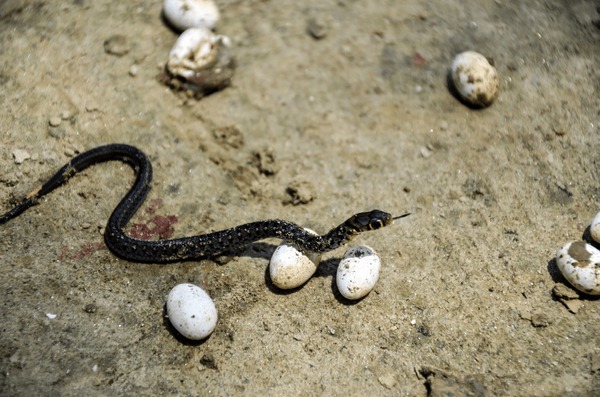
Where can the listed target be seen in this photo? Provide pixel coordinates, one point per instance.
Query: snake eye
(376, 224)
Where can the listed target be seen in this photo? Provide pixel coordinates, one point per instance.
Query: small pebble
(474, 78)
(358, 272)
(595, 228)
(290, 268)
(191, 311)
(117, 45)
(316, 27)
(579, 263)
(55, 121)
(20, 155)
(134, 70)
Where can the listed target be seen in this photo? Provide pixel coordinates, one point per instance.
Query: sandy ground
(359, 119)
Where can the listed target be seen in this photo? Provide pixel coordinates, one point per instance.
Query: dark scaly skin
(195, 247)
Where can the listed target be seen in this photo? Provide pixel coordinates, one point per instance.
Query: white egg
(595, 228)
(358, 272)
(290, 268)
(474, 78)
(579, 263)
(185, 14)
(191, 311)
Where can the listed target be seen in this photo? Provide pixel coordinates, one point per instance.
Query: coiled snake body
(195, 247)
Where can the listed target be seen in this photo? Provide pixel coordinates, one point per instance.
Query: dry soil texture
(359, 118)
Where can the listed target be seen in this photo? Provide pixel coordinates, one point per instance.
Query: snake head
(371, 220)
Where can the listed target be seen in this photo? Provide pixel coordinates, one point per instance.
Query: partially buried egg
(191, 311)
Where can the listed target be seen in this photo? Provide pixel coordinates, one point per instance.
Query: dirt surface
(312, 130)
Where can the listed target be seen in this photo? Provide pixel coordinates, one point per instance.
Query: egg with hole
(185, 14)
(474, 78)
(194, 50)
(579, 263)
(289, 267)
(191, 311)
(595, 228)
(200, 63)
(358, 272)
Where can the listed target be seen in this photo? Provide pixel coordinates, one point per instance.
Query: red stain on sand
(158, 227)
(418, 60)
(84, 250)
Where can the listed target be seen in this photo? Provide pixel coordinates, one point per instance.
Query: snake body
(195, 247)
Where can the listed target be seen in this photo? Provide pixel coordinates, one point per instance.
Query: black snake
(195, 247)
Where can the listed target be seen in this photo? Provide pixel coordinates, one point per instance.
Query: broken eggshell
(185, 14)
(289, 267)
(579, 263)
(199, 63)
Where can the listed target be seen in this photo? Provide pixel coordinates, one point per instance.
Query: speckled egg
(474, 78)
(290, 268)
(191, 311)
(185, 14)
(358, 272)
(579, 263)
